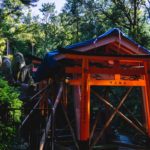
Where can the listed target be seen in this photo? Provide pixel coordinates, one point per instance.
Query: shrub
(10, 114)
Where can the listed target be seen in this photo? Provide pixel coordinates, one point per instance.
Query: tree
(128, 15)
(29, 2)
(147, 8)
(10, 17)
(49, 26)
(80, 20)
(71, 18)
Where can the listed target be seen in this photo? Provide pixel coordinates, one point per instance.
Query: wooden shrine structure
(112, 59)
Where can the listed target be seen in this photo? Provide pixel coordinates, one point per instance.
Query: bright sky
(58, 3)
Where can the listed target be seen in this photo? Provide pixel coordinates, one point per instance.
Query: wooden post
(49, 122)
(85, 107)
(65, 97)
(77, 99)
(146, 97)
(42, 102)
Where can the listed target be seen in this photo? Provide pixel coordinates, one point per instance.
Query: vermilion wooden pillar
(146, 94)
(85, 107)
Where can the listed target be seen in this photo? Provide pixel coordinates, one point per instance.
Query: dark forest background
(79, 20)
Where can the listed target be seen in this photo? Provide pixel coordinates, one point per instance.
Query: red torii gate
(114, 78)
(111, 60)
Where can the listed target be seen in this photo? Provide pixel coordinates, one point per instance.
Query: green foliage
(78, 21)
(2, 45)
(9, 96)
(10, 114)
(133, 17)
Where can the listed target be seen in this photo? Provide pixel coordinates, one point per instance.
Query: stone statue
(6, 69)
(21, 71)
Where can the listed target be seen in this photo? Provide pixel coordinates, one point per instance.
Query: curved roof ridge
(107, 33)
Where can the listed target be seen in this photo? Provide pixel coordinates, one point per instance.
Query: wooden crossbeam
(100, 58)
(140, 127)
(95, 82)
(96, 70)
(111, 118)
(120, 58)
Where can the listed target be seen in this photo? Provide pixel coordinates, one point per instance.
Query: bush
(10, 114)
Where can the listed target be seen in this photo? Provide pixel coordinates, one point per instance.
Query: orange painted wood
(85, 103)
(138, 65)
(147, 97)
(95, 82)
(96, 70)
(120, 58)
(117, 82)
